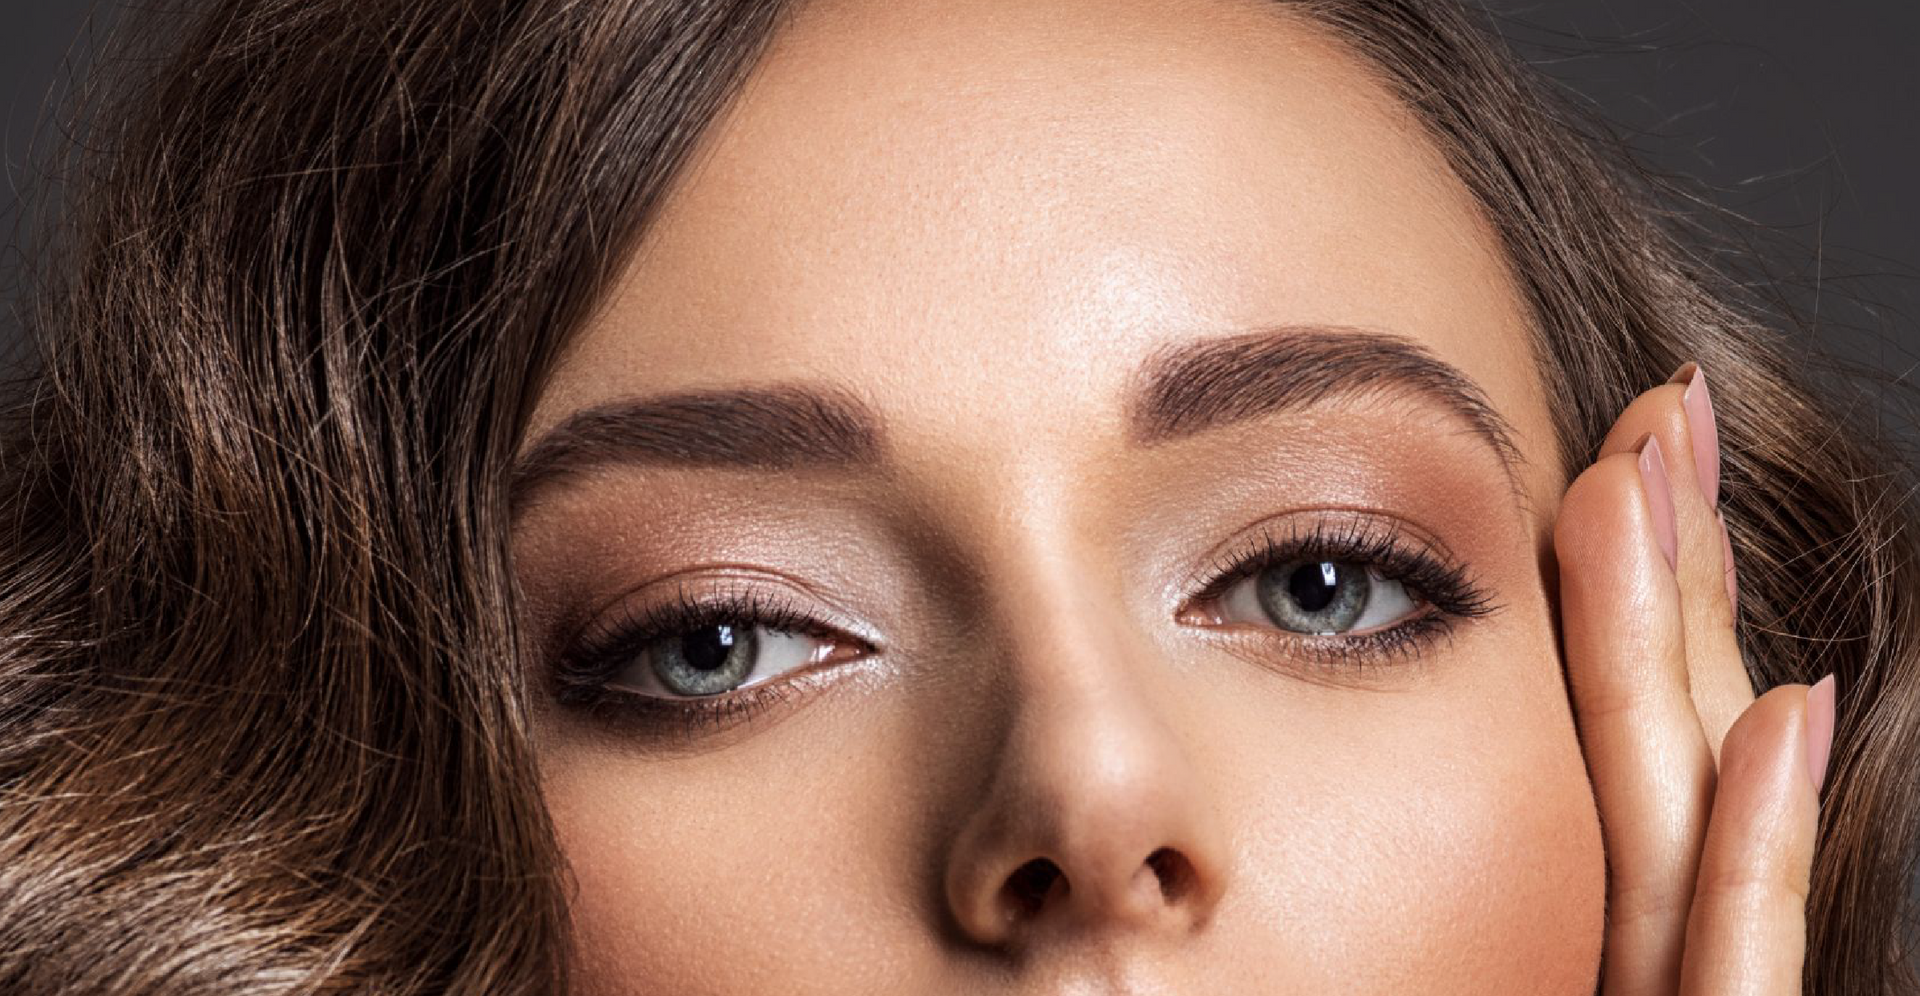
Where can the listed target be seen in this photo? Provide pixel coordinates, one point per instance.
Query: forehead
(985, 213)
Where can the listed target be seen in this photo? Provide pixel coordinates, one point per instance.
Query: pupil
(1314, 585)
(708, 649)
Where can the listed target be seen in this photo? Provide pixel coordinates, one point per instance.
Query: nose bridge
(1078, 664)
(1093, 813)
(1083, 706)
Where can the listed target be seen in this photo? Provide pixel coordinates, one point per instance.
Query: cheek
(751, 872)
(1426, 844)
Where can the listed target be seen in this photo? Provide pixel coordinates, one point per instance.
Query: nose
(1093, 817)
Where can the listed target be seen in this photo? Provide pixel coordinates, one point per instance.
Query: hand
(1708, 797)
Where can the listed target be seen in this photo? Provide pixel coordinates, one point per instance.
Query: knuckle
(1646, 907)
(1745, 886)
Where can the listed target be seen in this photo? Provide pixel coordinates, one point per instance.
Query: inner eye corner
(1186, 612)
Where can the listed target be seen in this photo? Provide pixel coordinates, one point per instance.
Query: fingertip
(1660, 411)
(1600, 506)
(1774, 744)
(1678, 413)
(1769, 721)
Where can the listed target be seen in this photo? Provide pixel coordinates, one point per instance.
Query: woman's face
(1058, 504)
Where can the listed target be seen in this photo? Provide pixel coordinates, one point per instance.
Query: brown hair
(261, 718)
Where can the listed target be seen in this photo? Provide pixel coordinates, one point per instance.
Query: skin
(981, 219)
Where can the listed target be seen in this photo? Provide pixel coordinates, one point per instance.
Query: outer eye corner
(840, 649)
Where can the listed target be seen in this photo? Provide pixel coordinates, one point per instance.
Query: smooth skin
(982, 220)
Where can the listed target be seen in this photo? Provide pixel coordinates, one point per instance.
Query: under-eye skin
(1344, 588)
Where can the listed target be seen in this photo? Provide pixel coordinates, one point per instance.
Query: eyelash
(1430, 579)
(583, 675)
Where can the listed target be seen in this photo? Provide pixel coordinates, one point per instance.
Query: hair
(262, 722)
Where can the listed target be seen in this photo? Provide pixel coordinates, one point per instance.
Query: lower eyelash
(1406, 640)
(670, 724)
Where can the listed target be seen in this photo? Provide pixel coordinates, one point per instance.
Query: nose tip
(1086, 833)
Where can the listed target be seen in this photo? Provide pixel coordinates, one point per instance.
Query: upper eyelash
(583, 673)
(1437, 581)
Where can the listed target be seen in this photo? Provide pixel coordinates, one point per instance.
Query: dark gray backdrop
(1799, 113)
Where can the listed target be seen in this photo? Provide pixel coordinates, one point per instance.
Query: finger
(1626, 669)
(1747, 934)
(1680, 415)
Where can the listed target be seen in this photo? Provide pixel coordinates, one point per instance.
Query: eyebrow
(765, 428)
(1180, 390)
(1190, 387)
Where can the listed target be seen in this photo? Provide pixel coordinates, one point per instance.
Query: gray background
(1800, 114)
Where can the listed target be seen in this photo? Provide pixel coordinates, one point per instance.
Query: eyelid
(674, 726)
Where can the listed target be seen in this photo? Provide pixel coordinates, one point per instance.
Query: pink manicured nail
(1698, 404)
(1653, 480)
(1819, 730)
(1726, 558)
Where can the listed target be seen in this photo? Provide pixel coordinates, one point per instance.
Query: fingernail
(1653, 480)
(1698, 404)
(1726, 558)
(1819, 730)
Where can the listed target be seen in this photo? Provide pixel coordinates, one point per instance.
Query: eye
(700, 656)
(1318, 597)
(1343, 585)
(716, 658)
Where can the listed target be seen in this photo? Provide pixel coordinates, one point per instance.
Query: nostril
(1030, 883)
(1174, 871)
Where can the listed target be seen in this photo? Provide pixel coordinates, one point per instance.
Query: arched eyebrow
(1179, 391)
(1189, 387)
(760, 428)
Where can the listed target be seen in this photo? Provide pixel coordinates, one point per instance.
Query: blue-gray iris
(706, 661)
(1314, 597)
